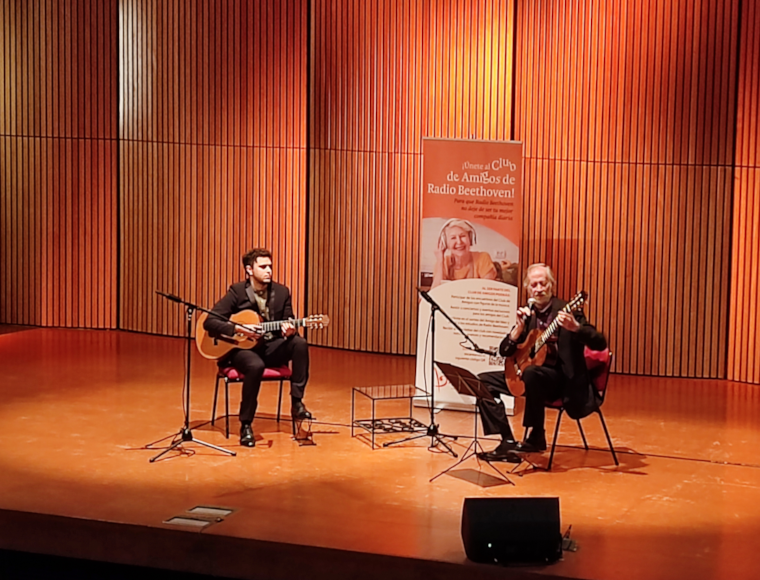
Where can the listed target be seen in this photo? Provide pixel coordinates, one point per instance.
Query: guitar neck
(274, 325)
(551, 329)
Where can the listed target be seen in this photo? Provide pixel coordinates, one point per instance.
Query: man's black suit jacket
(240, 297)
(579, 397)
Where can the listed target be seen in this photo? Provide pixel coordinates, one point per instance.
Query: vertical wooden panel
(212, 150)
(58, 151)
(743, 342)
(650, 121)
(384, 74)
(639, 120)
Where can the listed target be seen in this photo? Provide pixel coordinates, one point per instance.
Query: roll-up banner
(469, 254)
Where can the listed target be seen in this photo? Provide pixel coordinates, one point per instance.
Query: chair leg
(607, 434)
(583, 435)
(554, 441)
(227, 405)
(279, 402)
(213, 409)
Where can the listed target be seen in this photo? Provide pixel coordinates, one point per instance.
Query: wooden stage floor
(78, 407)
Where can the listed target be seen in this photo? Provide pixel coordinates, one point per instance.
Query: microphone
(171, 297)
(531, 305)
(490, 352)
(426, 296)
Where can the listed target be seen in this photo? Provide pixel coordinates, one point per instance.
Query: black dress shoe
(501, 453)
(299, 412)
(531, 446)
(513, 457)
(246, 436)
(508, 456)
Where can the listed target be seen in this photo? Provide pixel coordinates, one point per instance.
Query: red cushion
(598, 363)
(595, 358)
(231, 374)
(278, 373)
(275, 373)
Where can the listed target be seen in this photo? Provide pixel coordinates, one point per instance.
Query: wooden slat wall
(627, 114)
(383, 75)
(213, 157)
(58, 162)
(744, 344)
(641, 138)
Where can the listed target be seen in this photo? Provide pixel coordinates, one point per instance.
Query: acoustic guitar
(216, 347)
(531, 351)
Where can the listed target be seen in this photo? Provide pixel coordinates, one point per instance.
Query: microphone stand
(436, 437)
(185, 434)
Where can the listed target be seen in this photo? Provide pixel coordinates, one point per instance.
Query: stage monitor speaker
(503, 530)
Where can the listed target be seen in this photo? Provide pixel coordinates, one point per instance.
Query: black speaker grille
(509, 530)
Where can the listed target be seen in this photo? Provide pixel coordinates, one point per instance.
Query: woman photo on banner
(454, 258)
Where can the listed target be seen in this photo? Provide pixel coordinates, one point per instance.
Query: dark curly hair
(250, 257)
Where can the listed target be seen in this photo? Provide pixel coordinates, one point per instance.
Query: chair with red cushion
(231, 375)
(598, 363)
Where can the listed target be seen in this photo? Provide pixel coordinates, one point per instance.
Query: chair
(231, 375)
(598, 364)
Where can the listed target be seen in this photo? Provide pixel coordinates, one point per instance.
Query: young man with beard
(272, 302)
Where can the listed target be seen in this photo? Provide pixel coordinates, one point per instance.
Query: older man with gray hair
(563, 375)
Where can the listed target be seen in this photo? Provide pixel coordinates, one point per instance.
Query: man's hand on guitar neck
(288, 329)
(567, 321)
(256, 332)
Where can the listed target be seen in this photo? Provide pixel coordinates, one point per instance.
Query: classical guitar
(216, 347)
(531, 351)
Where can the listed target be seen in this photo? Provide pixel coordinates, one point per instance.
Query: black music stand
(468, 384)
(185, 434)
